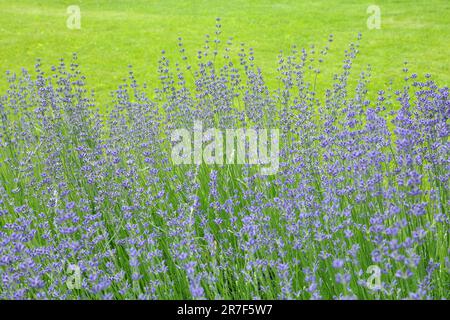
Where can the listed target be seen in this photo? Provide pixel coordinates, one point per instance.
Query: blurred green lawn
(117, 33)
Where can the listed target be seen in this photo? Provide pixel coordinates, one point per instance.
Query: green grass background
(117, 33)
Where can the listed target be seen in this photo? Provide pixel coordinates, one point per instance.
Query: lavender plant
(363, 184)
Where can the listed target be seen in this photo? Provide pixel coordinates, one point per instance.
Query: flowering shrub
(92, 207)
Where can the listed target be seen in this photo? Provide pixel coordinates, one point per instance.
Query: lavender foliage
(363, 181)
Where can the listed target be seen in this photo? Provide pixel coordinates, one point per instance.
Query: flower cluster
(363, 181)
